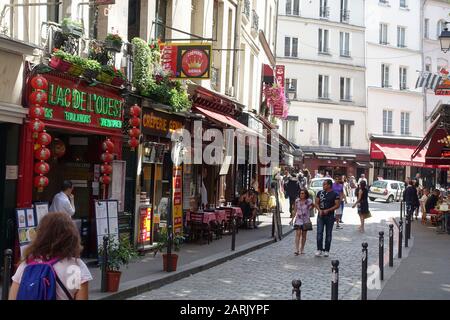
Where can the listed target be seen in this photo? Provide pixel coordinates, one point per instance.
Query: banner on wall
(187, 60)
(177, 200)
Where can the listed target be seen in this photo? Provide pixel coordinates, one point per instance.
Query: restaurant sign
(78, 103)
(187, 60)
(160, 124)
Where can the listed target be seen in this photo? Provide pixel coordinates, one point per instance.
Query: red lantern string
(106, 169)
(135, 123)
(37, 99)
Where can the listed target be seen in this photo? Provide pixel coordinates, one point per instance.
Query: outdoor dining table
(208, 217)
(444, 214)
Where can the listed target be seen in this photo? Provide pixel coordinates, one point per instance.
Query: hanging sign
(187, 60)
(78, 103)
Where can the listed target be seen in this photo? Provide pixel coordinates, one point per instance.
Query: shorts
(298, 227)
(338, 212)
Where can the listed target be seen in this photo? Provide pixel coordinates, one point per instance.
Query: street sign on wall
(187, 60)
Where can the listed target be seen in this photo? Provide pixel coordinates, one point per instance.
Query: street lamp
(444, 38)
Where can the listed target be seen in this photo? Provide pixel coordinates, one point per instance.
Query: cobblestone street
(267, 273)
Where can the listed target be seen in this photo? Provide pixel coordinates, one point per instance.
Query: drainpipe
(422, 46)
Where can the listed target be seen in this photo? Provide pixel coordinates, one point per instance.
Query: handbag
(307, 226)
(367, 215)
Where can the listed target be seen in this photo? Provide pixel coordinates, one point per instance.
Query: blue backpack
(39, 281)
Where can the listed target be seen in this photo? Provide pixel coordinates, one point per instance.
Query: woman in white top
(57, 238)
(423, 200)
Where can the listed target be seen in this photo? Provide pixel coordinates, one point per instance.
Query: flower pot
(118, 82)
(76, 70)
(59, 64)
(90, 74)
(113, 280)
(105, 78)
(173, 262)
(113, 46)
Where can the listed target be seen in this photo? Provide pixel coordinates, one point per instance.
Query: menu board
(27, 221)
(106, 214)
(145, 225)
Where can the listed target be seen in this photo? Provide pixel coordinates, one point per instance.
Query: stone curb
(139, 286)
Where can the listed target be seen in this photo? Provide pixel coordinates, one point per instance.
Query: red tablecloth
(221, 215)
(208, 217)
(235, 211)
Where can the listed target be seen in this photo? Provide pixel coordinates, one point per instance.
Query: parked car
(317, 184)
(387, 190)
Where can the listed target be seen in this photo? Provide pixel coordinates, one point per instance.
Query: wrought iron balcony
(345, 53)
(325, 12)
(345, 16)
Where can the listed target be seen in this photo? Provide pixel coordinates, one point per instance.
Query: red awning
(400, 155)
(221, 118)
(428, 137)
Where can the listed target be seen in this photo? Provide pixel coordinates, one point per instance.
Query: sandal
(296, 253)
(302, 252)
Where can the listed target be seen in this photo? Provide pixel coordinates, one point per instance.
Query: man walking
(63, 202)
(338, 187)
(292, 189)
(327, 201)
(363, 178)
(411, 198)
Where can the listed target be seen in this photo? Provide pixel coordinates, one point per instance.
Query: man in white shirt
(64, 201)
(363, 178)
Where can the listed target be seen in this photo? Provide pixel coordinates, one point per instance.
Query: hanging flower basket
(60, 64)
(113, 45)
(105, 77)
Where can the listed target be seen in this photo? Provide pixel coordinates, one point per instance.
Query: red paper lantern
(135, 122)
(105, 179)
(42, 154)
(40, 182)
(134, 133)
(107, 157)
(36, 126)
(135, 111)
(133, 143)
(41, 168)
(36, 112)
(108, 146)
(38, 97)
(39, 83)
(106, 169)
(44, 139)
(59, 148)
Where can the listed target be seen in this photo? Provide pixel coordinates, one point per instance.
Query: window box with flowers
(113, 42)
(78, 65)
(72, 28)
(60, 61)
(92, 69)
(106, 75)
(119, 78)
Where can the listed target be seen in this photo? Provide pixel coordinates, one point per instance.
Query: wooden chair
(198, 229)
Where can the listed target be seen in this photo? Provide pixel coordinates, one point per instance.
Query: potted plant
(107, 74)
(163, 243)
(113, 42)
(72, 27)
(98, 52)
(120, 253)
(119, 78)
(60, 60)
(92, 68)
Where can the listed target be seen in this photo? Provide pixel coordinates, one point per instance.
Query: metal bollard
(364, 271)
(381, 255)
(7, 274)
(401, 211)
(104, 264)
(400, 239)
(298, 294)
(233, 235)
(391, 245)
(410, 218)
(335, 280)
(407, 226)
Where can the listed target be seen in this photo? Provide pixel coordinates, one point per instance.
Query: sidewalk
(147, 274)
(424, 275)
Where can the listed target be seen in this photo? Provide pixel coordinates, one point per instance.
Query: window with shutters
(387, 122)
(383, 33)
(385, 76)
(345, 44)
(403, 72)
(404, 125)
(293, 7)
(324, 87)
(323, 41)
(401, 37)
(346, 87)
(346, 133)
(291, 47)
(324, 131)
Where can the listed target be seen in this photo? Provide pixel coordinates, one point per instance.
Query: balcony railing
(345, 16)
(403, 86)
(247, 9)
(325, 12)
(255, 21)
(324, 51)
(325, 96)
(386, 85)
(401, 45)
(347, 98)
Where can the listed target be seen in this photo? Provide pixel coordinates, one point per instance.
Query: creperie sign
(160, 123)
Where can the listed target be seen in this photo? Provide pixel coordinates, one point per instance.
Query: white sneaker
(318, 253)
(326, 254)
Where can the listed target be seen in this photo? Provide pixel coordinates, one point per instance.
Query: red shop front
(79, 118)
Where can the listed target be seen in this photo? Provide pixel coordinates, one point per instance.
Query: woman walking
(363, 204)
(303, 205)
(57, 244)
(353, 186)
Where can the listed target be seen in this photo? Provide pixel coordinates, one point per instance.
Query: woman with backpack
(52, 268)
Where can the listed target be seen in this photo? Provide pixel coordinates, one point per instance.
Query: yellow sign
(177, 186)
